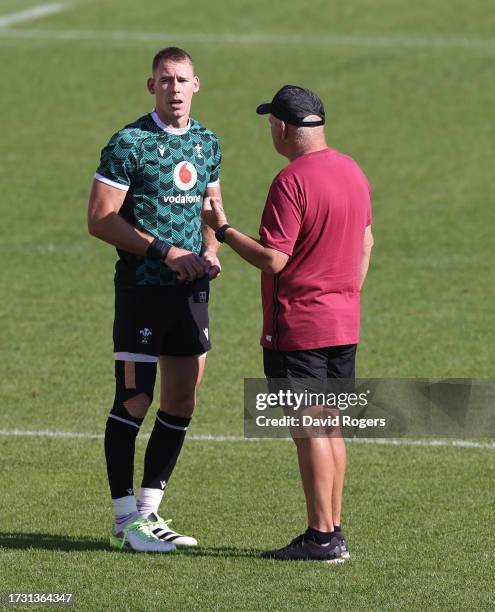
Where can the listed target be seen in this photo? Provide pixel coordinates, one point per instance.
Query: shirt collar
(167, 128)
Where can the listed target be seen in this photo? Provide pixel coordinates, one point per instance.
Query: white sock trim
(117, 418)
(124, 506)
(178, 427)
(149, 501)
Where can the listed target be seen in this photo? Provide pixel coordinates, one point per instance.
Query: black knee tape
(145, 377)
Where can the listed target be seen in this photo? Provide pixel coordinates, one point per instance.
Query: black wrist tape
(158, 249)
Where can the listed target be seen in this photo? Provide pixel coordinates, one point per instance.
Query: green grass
(413, 543)
(420, 122)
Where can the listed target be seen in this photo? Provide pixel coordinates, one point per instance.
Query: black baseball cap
(292, 104)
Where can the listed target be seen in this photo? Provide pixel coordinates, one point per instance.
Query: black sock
(337, 528)
(163, 449)
(120, 442)
(320, 537)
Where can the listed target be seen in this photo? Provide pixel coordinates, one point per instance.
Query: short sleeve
(118, 162)
(214, 179)
(282, 215)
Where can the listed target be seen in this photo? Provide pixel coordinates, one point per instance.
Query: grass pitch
(415, 544)
(409, 93)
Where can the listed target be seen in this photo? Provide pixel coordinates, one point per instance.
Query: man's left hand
(215, 267)
(213, 213)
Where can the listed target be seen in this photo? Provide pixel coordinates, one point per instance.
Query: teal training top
(165, 172)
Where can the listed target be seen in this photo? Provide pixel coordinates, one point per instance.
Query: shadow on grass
(219, 551)
(48, 541)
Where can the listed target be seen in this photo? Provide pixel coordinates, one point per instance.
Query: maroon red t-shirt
(316, 212)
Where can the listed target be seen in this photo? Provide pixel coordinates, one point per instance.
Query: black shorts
(154, 321)
(320, 365)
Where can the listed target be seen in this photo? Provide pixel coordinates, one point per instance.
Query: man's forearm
(210, 243)
(365, 263)
(368, 243)
(118, 232)
(249, 249)
(265, 258)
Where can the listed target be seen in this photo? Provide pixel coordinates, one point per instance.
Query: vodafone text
(182, 199)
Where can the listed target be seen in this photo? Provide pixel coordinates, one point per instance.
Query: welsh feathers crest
(145, 334)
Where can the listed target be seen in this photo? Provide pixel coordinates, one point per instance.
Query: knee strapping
(134, 387)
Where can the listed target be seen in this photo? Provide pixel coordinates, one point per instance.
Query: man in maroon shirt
(314, 250)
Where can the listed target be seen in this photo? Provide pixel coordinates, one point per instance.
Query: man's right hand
(213, 213)
(187, 265)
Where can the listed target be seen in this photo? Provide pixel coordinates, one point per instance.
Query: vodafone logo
(185, 175)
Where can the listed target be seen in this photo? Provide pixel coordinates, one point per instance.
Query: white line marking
(33, 13)
(44, 433)
(406, 42)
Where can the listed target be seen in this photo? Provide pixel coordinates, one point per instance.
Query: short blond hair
(176, 54)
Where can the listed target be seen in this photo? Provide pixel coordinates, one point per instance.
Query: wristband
(220, 233)
(158, 249)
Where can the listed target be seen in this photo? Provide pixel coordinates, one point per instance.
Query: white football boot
(139, 536)
(160, 529)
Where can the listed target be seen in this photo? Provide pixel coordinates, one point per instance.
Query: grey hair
(304, 135)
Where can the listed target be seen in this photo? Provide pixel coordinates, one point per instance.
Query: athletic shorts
(154, 321)
(320, 366)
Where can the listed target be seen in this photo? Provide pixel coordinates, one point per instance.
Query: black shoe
(304, 549)
(344, 549)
